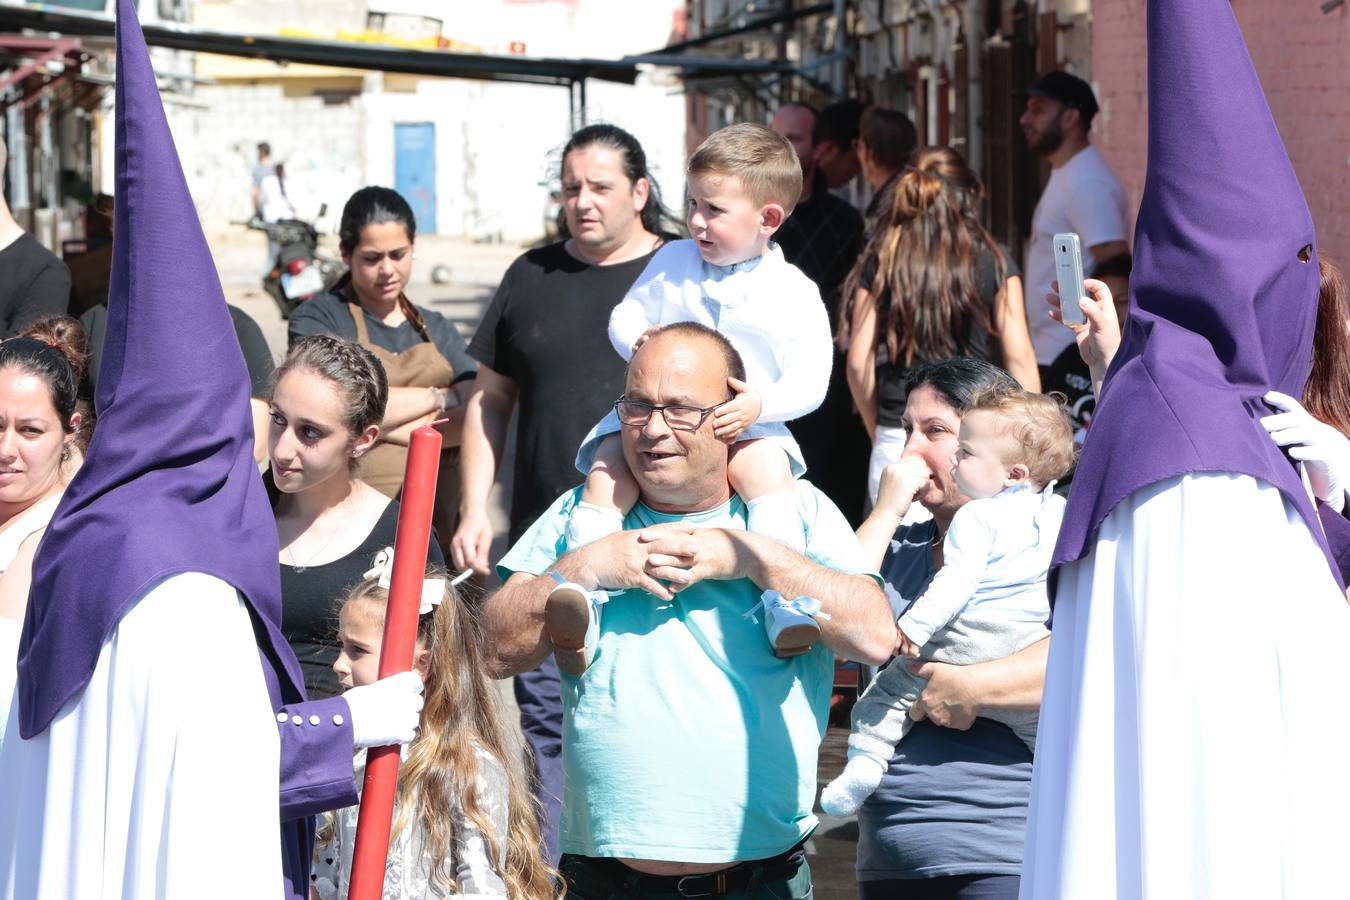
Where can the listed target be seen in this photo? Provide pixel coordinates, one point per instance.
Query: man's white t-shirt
(1082, 196)
(273, 202)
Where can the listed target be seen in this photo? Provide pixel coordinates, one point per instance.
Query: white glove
(1323, 450)
(386, 712)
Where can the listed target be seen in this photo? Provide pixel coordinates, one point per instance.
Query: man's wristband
(555, 574)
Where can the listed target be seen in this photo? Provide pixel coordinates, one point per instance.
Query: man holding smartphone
(1082, 196)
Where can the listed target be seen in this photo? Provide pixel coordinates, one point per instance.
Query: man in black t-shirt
(823, 238)
(543, 344)
(33, 282)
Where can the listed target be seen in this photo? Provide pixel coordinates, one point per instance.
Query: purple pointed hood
(1224, 289)
(169, 484)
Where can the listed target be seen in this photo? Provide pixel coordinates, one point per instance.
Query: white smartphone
(1069, 271)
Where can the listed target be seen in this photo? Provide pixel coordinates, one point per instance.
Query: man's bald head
(797, 123)
(680, 469)
(692, 333)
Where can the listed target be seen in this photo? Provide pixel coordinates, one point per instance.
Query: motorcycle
(300, 271)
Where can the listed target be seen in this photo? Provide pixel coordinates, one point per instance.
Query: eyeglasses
(677, 418)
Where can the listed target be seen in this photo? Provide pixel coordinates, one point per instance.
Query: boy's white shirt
(771, 313)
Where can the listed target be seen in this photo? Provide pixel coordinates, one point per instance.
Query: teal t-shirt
(687, 739)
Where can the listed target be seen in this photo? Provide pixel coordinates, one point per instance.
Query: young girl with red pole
(465, 823)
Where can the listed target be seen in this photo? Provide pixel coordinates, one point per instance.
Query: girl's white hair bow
(433, 589)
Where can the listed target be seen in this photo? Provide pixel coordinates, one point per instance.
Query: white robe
(1194, 734)
(159, 780)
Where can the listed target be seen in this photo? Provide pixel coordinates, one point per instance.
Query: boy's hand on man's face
(737, 414)
(645, 336)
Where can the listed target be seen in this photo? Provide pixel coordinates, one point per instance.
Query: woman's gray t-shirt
(953, 802)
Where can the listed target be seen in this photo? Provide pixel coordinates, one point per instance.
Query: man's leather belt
(716, 884)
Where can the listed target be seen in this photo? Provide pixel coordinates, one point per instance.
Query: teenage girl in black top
(327, 402)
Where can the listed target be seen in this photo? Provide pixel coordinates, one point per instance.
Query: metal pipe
(975, 85)
(756, 25)
(841, 47)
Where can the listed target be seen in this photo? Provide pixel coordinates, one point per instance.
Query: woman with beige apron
(424, 356)
(418, 366)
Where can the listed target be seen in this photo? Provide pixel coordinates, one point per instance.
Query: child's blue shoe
(572, 620)
(790, 624)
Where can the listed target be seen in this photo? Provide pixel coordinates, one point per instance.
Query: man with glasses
(689, 748)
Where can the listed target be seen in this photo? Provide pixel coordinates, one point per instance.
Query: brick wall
(1300, 55)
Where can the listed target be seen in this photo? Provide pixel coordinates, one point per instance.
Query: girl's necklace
(290, 551)
(290, 548)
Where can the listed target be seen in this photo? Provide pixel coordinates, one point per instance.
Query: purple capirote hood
(1223, 297)
(169, 483)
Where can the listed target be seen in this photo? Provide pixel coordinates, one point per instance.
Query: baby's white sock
(845, 794)
(589, 522)
(776, 516)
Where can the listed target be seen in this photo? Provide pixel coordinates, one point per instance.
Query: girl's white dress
(407, 875)
(1194, 731)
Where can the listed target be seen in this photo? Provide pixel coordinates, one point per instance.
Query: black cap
(1070, 90)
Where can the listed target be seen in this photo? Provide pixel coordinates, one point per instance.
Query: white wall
(320, 145)
(495, 142)
(498, 145)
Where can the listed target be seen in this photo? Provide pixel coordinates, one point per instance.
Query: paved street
(475, 271)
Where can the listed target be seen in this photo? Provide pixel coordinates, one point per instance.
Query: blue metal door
(415, 171)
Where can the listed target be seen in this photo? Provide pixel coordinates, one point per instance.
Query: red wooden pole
(396, 654)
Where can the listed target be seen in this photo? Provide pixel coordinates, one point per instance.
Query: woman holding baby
(949, 816)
